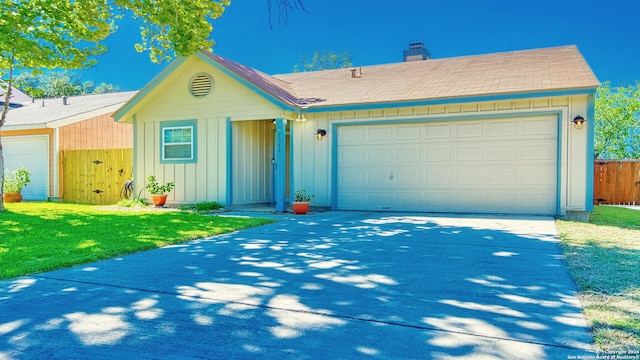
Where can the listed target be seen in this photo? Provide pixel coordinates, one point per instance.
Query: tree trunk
(3, 116)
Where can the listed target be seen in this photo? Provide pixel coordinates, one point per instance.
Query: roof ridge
(86, 95)
(431, 60)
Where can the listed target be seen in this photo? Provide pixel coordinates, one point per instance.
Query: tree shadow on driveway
(333, 285)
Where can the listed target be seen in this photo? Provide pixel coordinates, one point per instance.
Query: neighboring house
(36, 133)
(476, 134)
(17, 97)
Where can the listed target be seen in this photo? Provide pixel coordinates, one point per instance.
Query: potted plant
(301, 202)
(13, 184)
(158, 192)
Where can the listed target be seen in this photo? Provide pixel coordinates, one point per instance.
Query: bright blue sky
(377, 31)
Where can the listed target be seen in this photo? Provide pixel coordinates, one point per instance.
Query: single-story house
(36, 132)
(494, 133)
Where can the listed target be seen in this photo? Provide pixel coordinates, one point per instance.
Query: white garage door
(31, 152)
(483, 166)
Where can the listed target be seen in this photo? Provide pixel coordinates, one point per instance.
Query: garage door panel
(348, 198)
(501, 201)
(352, 155)
(351, 135)
(377, 178)
(408, 132)
(378, 156)
(351, 177)
(537, 175)
(539, 151)
(441, 154)
(437, 131)
(468, 130)
(502, 152)
(380, 199)
(467, 177)
(502, 177)
(467, 201)
(437, 201)
(407, 154)
(501, 129)
(406, 177)
(537, 127)
(468, 153)
(438, 177)
(381, 133)
(408, 198)
(538, 200)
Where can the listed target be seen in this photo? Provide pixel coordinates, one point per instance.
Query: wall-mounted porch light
(321, 133)
(579, 121)
(301, 117)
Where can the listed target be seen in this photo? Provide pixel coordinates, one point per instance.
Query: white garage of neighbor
(32, 153)
(497, 133)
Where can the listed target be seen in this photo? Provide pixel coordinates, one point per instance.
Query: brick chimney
(417, 51)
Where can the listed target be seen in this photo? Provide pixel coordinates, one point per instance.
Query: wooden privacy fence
(616, 182)
(95, 176)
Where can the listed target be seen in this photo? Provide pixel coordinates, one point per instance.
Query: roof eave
(284, 104)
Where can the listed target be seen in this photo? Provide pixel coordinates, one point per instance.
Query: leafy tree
(48, 33)
(66, 34)
(103, 88)
(59, 83)
(174, 27)
(617, 122)
(323, 60)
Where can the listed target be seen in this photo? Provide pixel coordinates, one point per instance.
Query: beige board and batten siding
(205, 180)
(312, 158)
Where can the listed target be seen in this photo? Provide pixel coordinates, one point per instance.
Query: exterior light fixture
(321, 133)
(301, 117)
(579, 121)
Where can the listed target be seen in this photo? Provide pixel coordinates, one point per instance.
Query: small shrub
(302, 196)
(207, 205)
(154, 188)
(16, 180)
(131, 203)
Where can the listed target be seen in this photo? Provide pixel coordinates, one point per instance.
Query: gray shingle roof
(17, 96)
(54, 109)
(538, 70)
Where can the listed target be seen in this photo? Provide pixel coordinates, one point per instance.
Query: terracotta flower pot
(12, 197)
(300, 207)
(159, 200)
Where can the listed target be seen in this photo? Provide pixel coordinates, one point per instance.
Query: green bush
(208, 205)
(131, 203)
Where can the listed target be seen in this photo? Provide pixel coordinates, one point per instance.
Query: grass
(38, 237)
(604, 259)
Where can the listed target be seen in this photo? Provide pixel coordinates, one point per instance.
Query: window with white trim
(178, 142)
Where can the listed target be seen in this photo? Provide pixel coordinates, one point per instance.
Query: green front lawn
(37, 237)
(604, 259)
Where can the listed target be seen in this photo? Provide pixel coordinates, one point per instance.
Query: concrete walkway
(334, 285)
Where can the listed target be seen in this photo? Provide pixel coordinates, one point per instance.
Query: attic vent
(201, 85)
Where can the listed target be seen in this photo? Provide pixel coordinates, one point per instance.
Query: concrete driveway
(335, 285)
